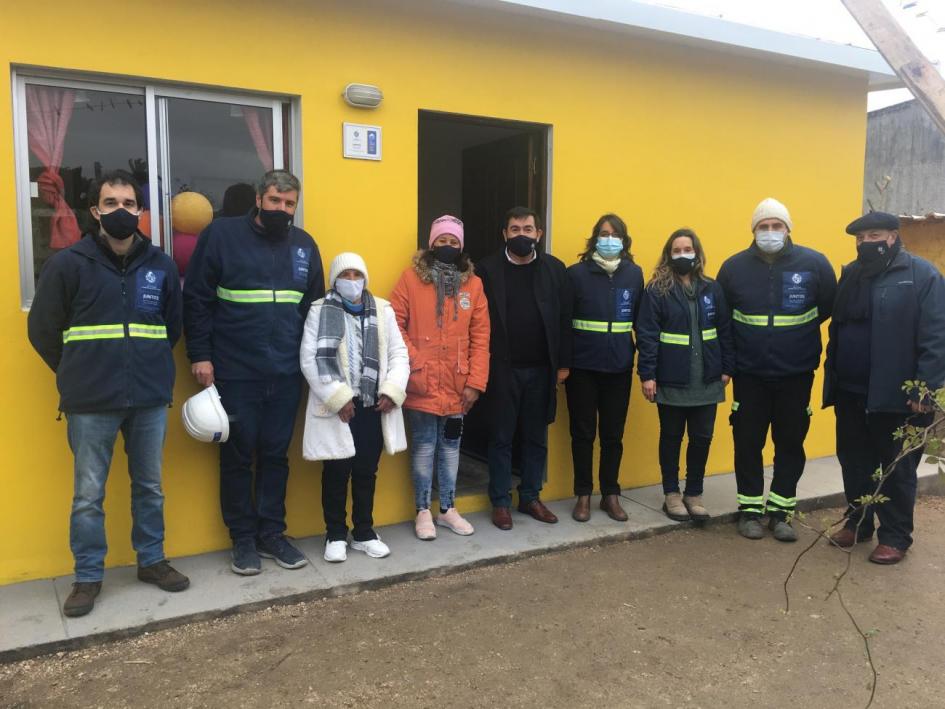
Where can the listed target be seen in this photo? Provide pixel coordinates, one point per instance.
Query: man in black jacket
(888, 328)
(105, 318)
(530, 346)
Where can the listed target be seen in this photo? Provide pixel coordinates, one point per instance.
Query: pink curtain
(49, 111)
(259, 123)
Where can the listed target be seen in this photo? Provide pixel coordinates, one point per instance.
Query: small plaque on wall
(362, 142)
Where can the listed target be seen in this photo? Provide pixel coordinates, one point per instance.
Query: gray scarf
(331, 329)
(446, 280)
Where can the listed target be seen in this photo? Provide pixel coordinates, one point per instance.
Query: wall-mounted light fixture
(362, 95)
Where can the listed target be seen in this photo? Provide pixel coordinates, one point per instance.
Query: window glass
(74, 135)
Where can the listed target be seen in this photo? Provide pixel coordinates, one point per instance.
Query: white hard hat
(205, 418)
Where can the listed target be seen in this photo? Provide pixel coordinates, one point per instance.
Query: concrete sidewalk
(31, 621)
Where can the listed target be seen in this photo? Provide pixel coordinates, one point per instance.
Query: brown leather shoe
(885, 554)
(611, 505)
(82, 599)
(502, 518)
(846, 537)
(582, 509)
(537, 510)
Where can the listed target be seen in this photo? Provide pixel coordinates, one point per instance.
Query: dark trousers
(522, 405)
(362, 470)
(865, 444)
(674, 421)
(262, 419)
(784, 405)
(597, 400)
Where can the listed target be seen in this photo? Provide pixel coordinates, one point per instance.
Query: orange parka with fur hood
(443, 360)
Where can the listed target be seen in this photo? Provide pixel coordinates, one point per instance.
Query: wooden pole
(901, 53)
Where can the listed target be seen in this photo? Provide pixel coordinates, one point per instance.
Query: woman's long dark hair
(664, 278)
(620, 229)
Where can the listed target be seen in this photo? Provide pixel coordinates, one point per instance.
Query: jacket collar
(91, 247)
(425, 272)
(785, 251)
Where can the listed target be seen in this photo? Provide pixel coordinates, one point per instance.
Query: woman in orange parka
(442, 312)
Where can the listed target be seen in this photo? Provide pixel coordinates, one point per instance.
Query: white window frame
(154, 94)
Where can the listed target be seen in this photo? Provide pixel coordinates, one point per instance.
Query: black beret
(873, 220)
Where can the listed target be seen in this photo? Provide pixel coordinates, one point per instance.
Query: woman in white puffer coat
(357, 368)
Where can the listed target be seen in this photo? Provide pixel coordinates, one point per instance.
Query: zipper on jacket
(127, 342)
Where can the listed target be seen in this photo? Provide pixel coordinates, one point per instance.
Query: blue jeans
(262, 419)
(429, 449)
(92, 440)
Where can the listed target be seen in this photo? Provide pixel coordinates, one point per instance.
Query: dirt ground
(693, 618)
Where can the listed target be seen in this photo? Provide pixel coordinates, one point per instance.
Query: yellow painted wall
(663, 135)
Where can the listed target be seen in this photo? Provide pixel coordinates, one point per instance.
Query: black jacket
(664, 332)
(907, 334)
(108, 333)
(777, 309)
(604, 312)
(553, 296)
(246, 298)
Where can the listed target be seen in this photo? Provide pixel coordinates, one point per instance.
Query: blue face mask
(609, 246)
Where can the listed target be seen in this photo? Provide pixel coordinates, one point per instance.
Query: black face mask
(682, 265)
(120, 224)
(275, 222)
(446, 254)
(872, 251)
(521, 245)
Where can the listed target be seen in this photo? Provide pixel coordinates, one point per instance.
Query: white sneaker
(336, 551)
(374, 548)
(452, 520)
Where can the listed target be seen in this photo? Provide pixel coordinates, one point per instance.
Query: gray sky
(829, 20)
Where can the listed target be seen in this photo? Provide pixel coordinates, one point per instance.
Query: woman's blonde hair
(664, 278)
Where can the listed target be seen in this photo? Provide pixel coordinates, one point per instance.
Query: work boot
(582, 509)
(82, 599)
(164, 576)
(611, 505)
(674, 508)
(750, 527)
(782, 530)
(694, 506)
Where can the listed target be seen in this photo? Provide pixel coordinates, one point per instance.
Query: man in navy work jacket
(530, 346)
(105, 318)
(248, 289)
(779, 293)
(888, 327)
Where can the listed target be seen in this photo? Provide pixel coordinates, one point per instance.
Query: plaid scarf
(331, 329)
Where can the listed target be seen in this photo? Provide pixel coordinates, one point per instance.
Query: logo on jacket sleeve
(149, 290)
(301, 260)
(465, 302)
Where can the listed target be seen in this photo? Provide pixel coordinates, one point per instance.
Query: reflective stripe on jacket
(777, 309)
(246, 297)
(663, 335)
(108, 333)
(603, 315)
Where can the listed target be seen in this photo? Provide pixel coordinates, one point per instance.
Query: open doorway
(477, 168)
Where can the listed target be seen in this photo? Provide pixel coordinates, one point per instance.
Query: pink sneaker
(452, 520)
(423, 526)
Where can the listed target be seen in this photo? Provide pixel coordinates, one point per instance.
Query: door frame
(547, 131)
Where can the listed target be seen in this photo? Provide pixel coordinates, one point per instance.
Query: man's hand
(385, 404)
(562, 375)
(347, 412)
(470, 397)
(203, 372)
(649, 390)
(725, 380)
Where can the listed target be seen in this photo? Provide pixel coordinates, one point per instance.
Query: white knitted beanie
(342, 262)
(771, 208)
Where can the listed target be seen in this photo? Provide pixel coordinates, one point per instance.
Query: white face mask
(349, 290)
(770, 241)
